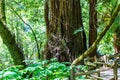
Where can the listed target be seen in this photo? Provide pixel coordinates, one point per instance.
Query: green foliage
(78, 30)
(32, 12)
(5, 59)
(41, 70)
(105, 9)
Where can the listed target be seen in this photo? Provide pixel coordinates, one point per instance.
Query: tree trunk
(117, 39)
(9, 39)
(100, 36)
(92, 25)
(66, 38)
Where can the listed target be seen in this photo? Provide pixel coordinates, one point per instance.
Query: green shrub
(40, 70)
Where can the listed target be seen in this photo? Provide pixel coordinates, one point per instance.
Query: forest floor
(108, 74)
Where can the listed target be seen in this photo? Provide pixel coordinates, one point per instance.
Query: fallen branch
(96, 77)
(90, 72)
(115, 55)
(87, 73)
(109, 65)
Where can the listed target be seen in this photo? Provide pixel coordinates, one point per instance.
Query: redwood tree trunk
(63, 18)
(92, 25)
(9, 39)
(117, 39)
(99, 37)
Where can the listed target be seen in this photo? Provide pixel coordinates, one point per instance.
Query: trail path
(107, 75)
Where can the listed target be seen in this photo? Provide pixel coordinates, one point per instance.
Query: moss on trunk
(9, 39)
(100, 36)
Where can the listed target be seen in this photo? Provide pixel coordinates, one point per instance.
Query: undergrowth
(41, 70)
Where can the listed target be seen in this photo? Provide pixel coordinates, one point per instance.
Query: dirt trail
(107, 75)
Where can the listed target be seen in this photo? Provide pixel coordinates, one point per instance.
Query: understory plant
(41, 70)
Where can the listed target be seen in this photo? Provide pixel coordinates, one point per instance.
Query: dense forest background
(37, 30)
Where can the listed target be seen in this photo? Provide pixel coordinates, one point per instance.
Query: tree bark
(92, 25)
(63, 18)
(94, 45)
(117, 39)
(9, 39)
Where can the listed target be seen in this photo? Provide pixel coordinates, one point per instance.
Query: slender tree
(66, 38)
(92, 25)
(117, 39)
(9, 39)
(117, 31)
(99, 37)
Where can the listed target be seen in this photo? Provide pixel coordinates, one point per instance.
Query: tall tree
(117, 31)
(92, 25)
(65, 32)
(99, 37)
(9, 39)
(117, 39)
